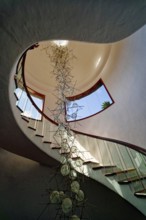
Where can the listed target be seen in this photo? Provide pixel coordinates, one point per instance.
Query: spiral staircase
(117, 166)
(26, 22)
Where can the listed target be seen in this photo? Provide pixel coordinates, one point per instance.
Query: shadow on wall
(23, 190)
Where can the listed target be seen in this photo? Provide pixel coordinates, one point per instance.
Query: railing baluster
(120, 157)
(138, 183)
(109, 153)
(103, 157)
(99, 151)
(126, 166)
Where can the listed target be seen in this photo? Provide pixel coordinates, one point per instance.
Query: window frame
(35, 95)
(94, 88)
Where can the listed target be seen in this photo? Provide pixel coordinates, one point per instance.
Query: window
(25, 105)
(89, 103)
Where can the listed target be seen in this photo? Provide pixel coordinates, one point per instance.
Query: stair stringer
(122, 190)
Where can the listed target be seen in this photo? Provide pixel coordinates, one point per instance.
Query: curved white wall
(126, 82)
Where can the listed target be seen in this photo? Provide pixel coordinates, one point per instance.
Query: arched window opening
(89, 103)
(25, 105)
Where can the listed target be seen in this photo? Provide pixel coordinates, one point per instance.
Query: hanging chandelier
(70, 198)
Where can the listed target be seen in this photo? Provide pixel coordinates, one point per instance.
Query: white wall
(125, 77)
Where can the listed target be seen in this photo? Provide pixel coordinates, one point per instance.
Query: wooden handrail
(126, 144)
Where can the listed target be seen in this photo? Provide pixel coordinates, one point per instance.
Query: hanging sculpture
(72, 196)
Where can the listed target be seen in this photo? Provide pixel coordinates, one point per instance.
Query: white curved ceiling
(88, 65)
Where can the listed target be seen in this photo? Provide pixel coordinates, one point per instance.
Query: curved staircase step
(49, 131)
(131, 179)
(19, 108)
(103, 167)
(16, 96)
(32, 124)
(64, 152)
(118, 171)
(40, 129)
(55, 147)
(25, 118)
(90, 162)
(141, 193)
(75, 158)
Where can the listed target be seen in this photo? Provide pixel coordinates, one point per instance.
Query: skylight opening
(62, 43)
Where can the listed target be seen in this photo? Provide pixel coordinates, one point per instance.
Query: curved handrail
(129, 145)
